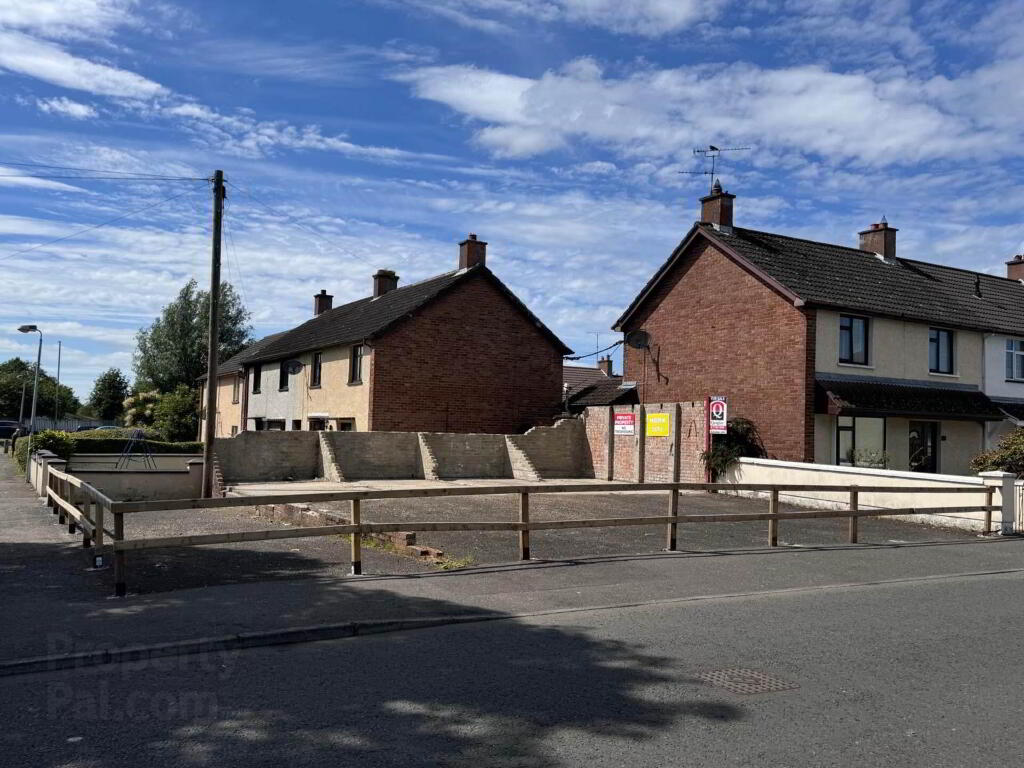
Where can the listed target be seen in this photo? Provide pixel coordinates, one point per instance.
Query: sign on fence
(658, 425)
(625, 423)
(718, 415)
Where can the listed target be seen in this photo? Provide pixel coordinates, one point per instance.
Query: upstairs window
(853, 340)
(940, 350)
(355, 365)
(315, 369)
(1015, 359)
(234, 389)
(257, 375)
(282, 377)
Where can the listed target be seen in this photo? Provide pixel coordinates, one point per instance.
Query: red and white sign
(718, 415)
(625, 424)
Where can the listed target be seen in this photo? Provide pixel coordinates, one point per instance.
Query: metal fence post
(672, 527)
(524, 520)
(773, 522)
(854, 520)
(356, 539)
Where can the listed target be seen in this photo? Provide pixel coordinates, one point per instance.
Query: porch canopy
(862, 398)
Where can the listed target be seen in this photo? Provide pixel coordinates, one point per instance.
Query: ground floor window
(317, 425)
(275, 425)
(346, 425)
(258, 425)
(860, 441)
(234, 430)
(296, 425)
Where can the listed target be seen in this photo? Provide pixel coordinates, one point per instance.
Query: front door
(924, 446)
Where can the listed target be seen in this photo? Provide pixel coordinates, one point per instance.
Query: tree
(140, 409)
(176, 415)
(108, 394)
(14, 373)
(172, 351)
(1008, 456)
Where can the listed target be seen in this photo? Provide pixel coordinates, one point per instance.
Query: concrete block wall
(546, 452)
(449, 455)
(375, 455)
(253, 457)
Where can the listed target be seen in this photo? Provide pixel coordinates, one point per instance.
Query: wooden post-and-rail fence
(84, 508)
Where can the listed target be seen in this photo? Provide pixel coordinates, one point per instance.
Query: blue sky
(361, 134)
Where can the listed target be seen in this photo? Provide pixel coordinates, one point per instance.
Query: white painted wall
(270, 402)
(996, 384)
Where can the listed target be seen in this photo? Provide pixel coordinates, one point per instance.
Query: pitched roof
(234, 363)
(824, 274)
(369, 317)
(608, 391)
(577, 376)
(862, 398)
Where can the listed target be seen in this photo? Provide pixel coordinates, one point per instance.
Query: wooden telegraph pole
(210, 425)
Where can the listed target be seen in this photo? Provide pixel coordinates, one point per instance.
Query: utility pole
(56, 394)
(211, 352)
(21, 413)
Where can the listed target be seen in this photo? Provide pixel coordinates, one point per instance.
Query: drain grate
(745, 681)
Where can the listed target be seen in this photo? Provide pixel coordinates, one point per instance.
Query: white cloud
(51, 63)
(66, 107)
(661, 113)
(65, 18)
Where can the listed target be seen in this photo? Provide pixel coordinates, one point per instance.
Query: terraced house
(840, 355)
(458, 352)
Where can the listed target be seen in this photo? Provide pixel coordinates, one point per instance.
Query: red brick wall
(718, 330)
(467, 362)
(596, 420)
(624, 453)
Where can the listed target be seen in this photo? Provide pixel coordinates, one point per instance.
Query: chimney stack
(716, 208)
(384, 280)
(605, 365)
(879, 238)
(1015, 267)
(472, 252)
(322, 302)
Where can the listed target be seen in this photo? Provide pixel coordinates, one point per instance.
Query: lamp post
(35, 392)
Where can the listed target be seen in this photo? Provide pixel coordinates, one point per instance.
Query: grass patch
(454, 563)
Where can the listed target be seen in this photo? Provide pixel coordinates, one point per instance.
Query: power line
(87, 170)
(97, 226)
(105, 178)
(297, 223)
(598, 352)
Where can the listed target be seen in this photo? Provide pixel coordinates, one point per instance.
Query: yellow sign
(657, 425)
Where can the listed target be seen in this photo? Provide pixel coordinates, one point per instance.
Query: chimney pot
(384, 280)
(322, 302)
(472, 252)
(716, 208)
(605, 364)
(1015, 267)
(879, 238)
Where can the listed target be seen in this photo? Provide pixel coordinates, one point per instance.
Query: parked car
(85, 428)
(7, 429)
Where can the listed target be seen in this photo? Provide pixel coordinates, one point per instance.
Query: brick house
(837, 354)
(458, 352)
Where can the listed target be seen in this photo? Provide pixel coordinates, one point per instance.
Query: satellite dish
(293, 366)
(638, 339)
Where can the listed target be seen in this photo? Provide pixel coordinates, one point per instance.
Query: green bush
(742, 439)
(1008, 456)
(60, 443)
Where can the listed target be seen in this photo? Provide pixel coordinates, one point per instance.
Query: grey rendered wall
(543, 452)
(449, 455)
(375, 455)
(253, 457)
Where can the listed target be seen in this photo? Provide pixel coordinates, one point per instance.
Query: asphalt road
(906, 674)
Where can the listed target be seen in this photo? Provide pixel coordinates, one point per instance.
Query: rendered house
(839, 355)
(454, 353)
(231, 391)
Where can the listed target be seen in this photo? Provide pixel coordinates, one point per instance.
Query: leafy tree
(108, 394)
(176, 415)
(15, 372)
(172, 351)
(1008, 456)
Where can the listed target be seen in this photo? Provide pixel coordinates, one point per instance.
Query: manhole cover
(745, 681)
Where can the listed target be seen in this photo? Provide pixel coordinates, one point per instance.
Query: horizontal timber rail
(126, 507)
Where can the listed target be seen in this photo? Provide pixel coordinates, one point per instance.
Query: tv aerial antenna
(714, 153)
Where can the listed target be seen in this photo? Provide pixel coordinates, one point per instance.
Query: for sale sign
(718, 415)
(625, 424)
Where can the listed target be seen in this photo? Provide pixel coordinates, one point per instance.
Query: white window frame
(1014, 347)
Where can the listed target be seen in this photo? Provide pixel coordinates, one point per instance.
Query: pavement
(903, 653)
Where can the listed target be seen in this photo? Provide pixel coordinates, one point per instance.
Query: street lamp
(35, 392)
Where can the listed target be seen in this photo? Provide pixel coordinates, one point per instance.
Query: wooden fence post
(357, 540)
(773, 523)
(524, 519)
(120, 589)
(989, 495)
(671, 527)
(85, 506)
(854, 520)
(68, 495)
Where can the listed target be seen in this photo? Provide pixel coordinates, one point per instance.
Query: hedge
(67, 444)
